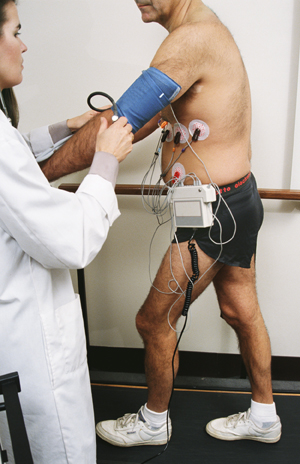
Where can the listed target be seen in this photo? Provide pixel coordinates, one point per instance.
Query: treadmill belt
(190, 444)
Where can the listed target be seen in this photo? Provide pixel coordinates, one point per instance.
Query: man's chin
(147, 18)
(147, 14)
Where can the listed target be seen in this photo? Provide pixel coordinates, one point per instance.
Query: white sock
(264, 415)
(155, 419)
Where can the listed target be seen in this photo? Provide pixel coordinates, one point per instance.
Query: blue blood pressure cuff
(148, 95)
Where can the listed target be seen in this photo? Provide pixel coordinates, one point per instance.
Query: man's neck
(187, 11)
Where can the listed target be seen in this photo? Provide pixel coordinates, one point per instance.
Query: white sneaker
(133, 430)
(241, 427)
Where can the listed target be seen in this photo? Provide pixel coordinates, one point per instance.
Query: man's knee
(145, 323)
(241, 317)
(152, 320)
(229, 315)
(140, 323)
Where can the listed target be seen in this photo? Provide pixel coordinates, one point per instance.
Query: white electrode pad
(184, 133)
(202, 126)
(178, 172)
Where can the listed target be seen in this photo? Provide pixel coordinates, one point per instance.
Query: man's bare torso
(220, 98)
(200, 55)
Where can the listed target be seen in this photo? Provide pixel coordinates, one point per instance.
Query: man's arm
(78, 152)
(173, 59)
(182, 56)
(147, 129)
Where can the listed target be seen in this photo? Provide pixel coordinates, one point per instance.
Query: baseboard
(192, 364)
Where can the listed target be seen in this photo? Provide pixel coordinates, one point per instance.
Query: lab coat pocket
(71, 329)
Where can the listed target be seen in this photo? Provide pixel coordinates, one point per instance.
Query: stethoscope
(115, 116)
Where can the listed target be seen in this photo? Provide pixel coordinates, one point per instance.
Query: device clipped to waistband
(192, 205)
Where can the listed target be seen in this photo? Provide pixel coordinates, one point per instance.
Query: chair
(9, 388)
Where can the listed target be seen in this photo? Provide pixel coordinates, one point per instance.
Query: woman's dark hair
(8, 94)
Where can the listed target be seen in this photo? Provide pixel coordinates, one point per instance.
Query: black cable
(187, 303)
(165, 135)
(177, 138)
(103, 94)
(171, 396)
(188, 294)
(176, 141)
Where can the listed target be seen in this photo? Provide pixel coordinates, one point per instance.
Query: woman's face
(11, 49)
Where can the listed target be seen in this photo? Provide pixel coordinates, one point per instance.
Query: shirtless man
(201, 56)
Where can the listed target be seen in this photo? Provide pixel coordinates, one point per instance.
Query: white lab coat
(43, 233)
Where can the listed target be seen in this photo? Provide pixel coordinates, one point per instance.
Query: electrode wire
(195, 279)
(216, 188)
(171, 396)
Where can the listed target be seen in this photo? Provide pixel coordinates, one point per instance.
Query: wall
(295, 181)
(76, 47)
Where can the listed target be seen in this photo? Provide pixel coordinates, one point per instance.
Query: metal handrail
(136, 189)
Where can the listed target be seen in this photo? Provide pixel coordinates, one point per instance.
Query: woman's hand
(117, 139)
(76, 123)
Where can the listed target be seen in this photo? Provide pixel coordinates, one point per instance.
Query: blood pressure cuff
(148, 95)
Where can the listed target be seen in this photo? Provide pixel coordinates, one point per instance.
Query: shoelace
(128, 419)
(236, 418)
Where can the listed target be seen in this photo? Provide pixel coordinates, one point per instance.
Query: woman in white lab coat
(43, 233)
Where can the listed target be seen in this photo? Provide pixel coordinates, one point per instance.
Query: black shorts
(245, 204)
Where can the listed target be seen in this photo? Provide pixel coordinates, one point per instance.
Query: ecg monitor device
(192, 205)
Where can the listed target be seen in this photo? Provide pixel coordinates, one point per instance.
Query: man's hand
(116, 139)
(76, 123)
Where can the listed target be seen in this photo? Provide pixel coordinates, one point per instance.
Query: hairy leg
(152, 319)
(236, 291)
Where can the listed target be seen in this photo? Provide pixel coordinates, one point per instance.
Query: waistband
(234, 186)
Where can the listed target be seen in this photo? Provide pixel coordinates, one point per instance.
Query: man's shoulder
(200, 27)
(188, 52)
(198, 34)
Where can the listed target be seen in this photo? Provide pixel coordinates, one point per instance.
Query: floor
(191, 409)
